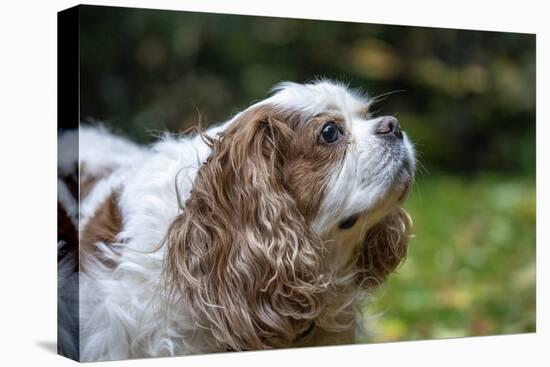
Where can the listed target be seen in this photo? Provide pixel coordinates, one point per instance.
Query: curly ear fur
(384, 248)
(241, 256)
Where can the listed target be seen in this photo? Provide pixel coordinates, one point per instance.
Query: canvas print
(232, 183)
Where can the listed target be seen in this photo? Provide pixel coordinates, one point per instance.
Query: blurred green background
(466, 98)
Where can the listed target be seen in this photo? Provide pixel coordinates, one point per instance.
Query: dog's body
(236, 239)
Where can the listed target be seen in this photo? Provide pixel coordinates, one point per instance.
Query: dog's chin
(403, 181)
(394, 197)
(404, 190)
(403, 196)
(397, 192)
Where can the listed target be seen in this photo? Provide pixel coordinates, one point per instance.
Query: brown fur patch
(104, 226)
(88, 181)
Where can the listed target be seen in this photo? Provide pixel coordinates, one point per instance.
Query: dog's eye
(330, 132)
(349, 222)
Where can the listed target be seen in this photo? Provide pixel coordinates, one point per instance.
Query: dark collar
(306, 332)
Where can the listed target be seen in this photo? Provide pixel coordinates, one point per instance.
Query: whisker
(381, 97)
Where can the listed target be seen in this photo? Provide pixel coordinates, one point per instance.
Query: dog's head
(297, 207)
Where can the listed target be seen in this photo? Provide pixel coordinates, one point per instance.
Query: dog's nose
(389, 125)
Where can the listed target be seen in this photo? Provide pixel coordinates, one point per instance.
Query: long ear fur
(241, 256)
(384, 248)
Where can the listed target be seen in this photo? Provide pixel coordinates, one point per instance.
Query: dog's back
(91, 164)
(121, 198)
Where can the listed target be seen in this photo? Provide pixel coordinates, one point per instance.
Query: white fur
(122, 313)
(99, 150)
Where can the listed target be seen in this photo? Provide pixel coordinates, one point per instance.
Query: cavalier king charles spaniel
(261, 232)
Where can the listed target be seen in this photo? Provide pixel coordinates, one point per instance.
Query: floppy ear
(384, 248)
(241, 256)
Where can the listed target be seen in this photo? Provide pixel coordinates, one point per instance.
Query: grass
(471, 266)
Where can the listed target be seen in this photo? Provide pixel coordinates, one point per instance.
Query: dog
(262, 232)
